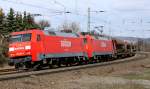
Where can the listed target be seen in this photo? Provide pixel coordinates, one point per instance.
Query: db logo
(103, 44)
(65, 44)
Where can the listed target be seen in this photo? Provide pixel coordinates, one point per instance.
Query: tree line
(12, 22)
(15, 21)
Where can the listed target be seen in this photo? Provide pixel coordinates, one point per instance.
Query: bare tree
(65, 26)
(44, 23)
(71, 27)
(75, 27)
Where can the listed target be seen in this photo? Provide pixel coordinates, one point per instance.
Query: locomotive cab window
(26, 37)
(20, 38)
(38, 38)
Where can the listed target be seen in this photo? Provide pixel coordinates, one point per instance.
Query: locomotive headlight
(11, 49)
(27, 47)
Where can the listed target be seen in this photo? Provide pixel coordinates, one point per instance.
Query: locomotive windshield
(20, 38)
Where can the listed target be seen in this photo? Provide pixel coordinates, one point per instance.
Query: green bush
(3, 53)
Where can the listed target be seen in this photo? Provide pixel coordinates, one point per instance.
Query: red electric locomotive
(99, 47)
(33, 48)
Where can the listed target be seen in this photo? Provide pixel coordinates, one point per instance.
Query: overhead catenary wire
(35, 6)
(51, 11)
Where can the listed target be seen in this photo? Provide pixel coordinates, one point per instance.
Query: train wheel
(79, 62)
(51, 66)
(71, 61)
(38, 65)
(66, 62)
(19, 66)
(76, 61)
(50, 63)
(91, 60)
(59, 63)
(10, 63)
(28, 65)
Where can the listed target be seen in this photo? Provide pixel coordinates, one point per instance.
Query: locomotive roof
(56, 33)
(47, 32)
(96, 36)
(26, 31)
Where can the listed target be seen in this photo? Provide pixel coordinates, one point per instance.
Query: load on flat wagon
(123, 48)
(37, 48)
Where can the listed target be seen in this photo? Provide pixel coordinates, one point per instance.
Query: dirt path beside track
(105, 77)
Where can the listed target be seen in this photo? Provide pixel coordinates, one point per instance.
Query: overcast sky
(121, 17)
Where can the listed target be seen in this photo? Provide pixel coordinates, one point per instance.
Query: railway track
(7, 71)
(9, 74)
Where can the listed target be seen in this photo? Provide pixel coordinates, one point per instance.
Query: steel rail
(16, 75)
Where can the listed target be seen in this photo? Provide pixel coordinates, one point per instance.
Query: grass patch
(3, 54)
(145, 75)
(129, 85)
